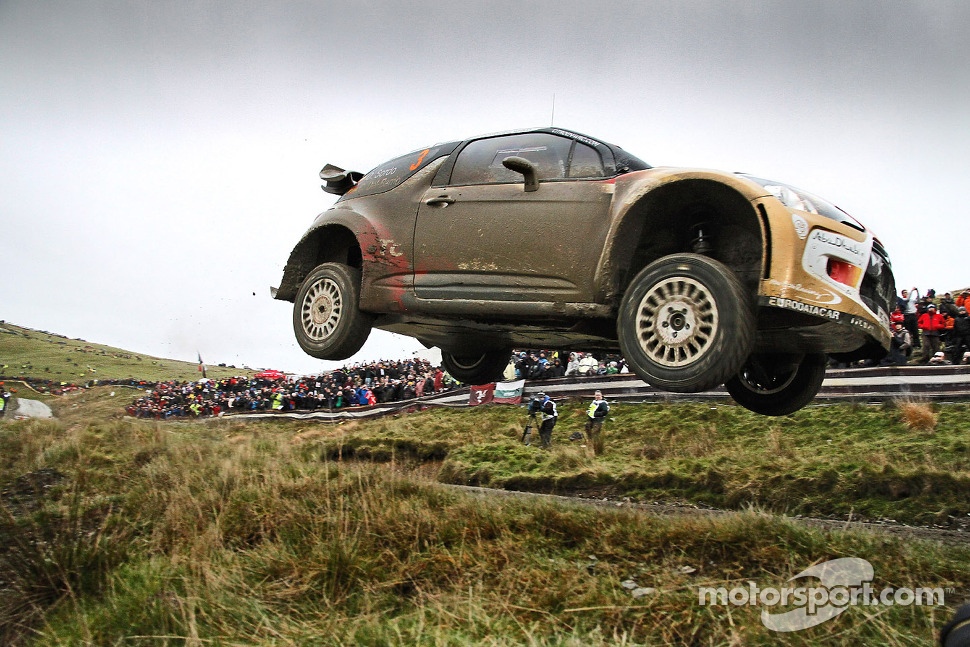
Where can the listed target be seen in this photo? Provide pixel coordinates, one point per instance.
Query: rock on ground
(31, 409)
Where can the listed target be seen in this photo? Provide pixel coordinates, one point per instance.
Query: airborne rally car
(546, 238)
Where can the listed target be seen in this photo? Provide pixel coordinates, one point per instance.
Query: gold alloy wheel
(321, 309)
(676, 321)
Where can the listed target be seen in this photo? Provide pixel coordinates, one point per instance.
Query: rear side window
(391, 174)
(480, 162)
(585, 162)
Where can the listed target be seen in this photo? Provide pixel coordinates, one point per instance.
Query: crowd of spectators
(549, 364)
(937, 327)
(349, 386)
(926, 329)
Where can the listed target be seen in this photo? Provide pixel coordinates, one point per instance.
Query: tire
(326, 320)
(476, 369)
(776, 385)
(685, 324)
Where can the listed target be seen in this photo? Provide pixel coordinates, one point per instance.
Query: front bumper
(827, 288)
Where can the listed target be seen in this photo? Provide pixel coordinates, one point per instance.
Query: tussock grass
(58, 552)
(917, 415)
(223, 532)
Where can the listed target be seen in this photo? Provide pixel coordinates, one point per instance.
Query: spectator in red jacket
(932, 324)
(963, 299)
(897, 317)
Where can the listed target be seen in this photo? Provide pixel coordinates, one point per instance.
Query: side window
(586, 162)
(480, 162)
(391, 174)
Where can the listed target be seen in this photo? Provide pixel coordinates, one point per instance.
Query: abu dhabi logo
(843, 583)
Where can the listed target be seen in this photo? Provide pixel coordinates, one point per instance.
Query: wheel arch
(328, 243)
(695, 212)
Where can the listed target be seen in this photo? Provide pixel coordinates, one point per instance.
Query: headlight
(803, 200)
(791, 198)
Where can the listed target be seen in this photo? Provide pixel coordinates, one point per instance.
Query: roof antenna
(552, 121)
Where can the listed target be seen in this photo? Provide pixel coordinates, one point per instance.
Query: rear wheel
(476, 368)
(326, 320)
(685, 324)
(776, 385)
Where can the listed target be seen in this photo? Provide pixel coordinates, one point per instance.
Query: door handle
(440, 201)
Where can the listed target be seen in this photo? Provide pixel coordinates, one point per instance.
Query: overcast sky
(158, 160)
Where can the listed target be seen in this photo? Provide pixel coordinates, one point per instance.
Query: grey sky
(158, 160)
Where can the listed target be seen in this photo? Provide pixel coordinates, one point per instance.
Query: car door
(482, 236)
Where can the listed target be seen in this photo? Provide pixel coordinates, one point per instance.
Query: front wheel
(326, 320)
(685, 324)
(776, 385)
(479, 368)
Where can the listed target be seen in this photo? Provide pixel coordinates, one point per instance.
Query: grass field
(48, 356)
(236, 532)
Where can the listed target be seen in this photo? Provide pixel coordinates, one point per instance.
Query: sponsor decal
(835, 241)
(579, 138)
(807, 308)
(801, 225)
(814, 294)
(820, 311)
(859, 322)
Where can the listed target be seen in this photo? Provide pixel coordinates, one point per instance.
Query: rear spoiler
(339, 181)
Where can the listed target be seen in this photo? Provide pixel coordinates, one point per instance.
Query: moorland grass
(865, 461)
(49, 356)
(230, 532)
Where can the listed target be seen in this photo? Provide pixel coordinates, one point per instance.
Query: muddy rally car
(547, 238)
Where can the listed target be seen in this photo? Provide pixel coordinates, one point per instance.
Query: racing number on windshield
(414, 167)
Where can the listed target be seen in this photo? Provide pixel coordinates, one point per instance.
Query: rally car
(547, 238)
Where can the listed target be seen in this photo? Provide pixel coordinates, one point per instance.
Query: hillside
(25, 352)
(117, 530)
(232, 531)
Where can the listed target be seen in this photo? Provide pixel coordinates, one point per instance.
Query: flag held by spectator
(201, 364)
(481, 394)
(499, 392)
(509, 392)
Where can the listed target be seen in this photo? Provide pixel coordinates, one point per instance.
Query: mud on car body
(549, 238)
